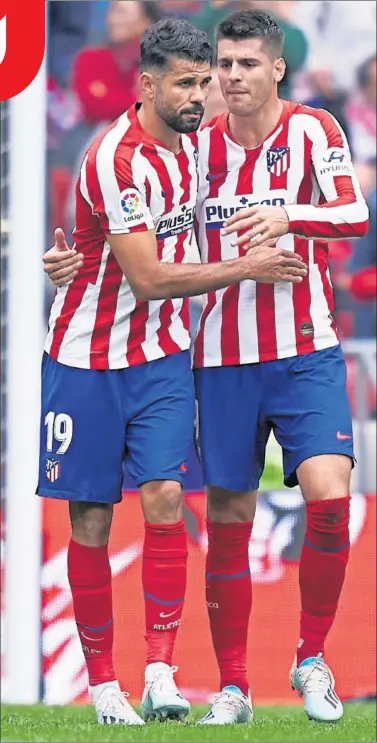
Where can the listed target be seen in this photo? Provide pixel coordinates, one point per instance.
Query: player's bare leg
(228, 593)
(164, 585)
(89, 576)
(325, 483)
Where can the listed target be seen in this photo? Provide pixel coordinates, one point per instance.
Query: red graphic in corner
(22, 43)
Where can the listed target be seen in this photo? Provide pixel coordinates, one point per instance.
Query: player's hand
(61, 263)
(269, 266)
(266, 244)
(258, 224)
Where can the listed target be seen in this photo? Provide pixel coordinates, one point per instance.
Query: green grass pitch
(74, 724)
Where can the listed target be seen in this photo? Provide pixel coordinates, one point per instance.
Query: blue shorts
(92, 422)
(302, 399)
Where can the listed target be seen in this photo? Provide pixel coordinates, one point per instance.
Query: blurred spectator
(360, 277)
(97, 30)
(105, 78)
(180, 8)
(211, 13)
(295, 46)
(341, 36)
(360, 110)
(63, 113)
(174, 8)
(68, 32)
(363, 284)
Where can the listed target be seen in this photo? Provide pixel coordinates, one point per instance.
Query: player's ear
(147, 86)
(280, 67)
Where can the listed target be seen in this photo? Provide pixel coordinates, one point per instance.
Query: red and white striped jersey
(305, 166)
(128, 183)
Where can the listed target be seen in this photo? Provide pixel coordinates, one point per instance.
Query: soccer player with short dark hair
(267, 356)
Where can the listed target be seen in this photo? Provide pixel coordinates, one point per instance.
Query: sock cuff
(165, 541)
(233, 530)
(328, 505)
(83, 560)
(236, 525)
(164, 529)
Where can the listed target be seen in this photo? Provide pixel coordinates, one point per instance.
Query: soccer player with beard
(117, 384)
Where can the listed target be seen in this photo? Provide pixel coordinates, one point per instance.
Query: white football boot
(314, 681)
(230, 707)
(161, 699)
(112, 707)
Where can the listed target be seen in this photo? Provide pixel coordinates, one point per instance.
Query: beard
(179, 120)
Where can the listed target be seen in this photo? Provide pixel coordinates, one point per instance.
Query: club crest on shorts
(52, 469)
(278, 160)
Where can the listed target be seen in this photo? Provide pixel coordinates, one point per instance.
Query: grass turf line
(75, 724)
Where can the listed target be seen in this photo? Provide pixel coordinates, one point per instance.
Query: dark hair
(252, 24)
(173, 38)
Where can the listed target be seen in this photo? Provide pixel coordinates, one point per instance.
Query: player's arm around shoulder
(137, 256)
(122, 215)
(150, 279)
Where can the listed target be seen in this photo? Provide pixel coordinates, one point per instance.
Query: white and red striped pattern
(95, 321)
(251, 322)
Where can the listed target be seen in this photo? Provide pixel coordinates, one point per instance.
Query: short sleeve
(118, 196)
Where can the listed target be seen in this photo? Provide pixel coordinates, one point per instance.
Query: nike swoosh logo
(164, 616)
(215, 176)
(92, 639)
(342, 436)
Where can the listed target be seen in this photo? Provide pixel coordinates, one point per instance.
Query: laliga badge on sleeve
(22, 44)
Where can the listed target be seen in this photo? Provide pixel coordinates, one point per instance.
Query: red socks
(89, 576)
(228, 593)
(323, 565)
(164, 585)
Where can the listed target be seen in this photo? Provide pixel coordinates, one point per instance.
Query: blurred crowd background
(330, 50)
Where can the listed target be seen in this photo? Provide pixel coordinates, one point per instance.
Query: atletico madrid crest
(52, 469)
(278, 160)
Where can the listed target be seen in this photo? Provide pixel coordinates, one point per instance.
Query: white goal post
(26, 330)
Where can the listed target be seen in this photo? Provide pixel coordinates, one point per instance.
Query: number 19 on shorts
(59, 428)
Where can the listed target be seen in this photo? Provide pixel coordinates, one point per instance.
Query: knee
(162, 501)
(228, 506)
(91, 523)
(325, 477)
